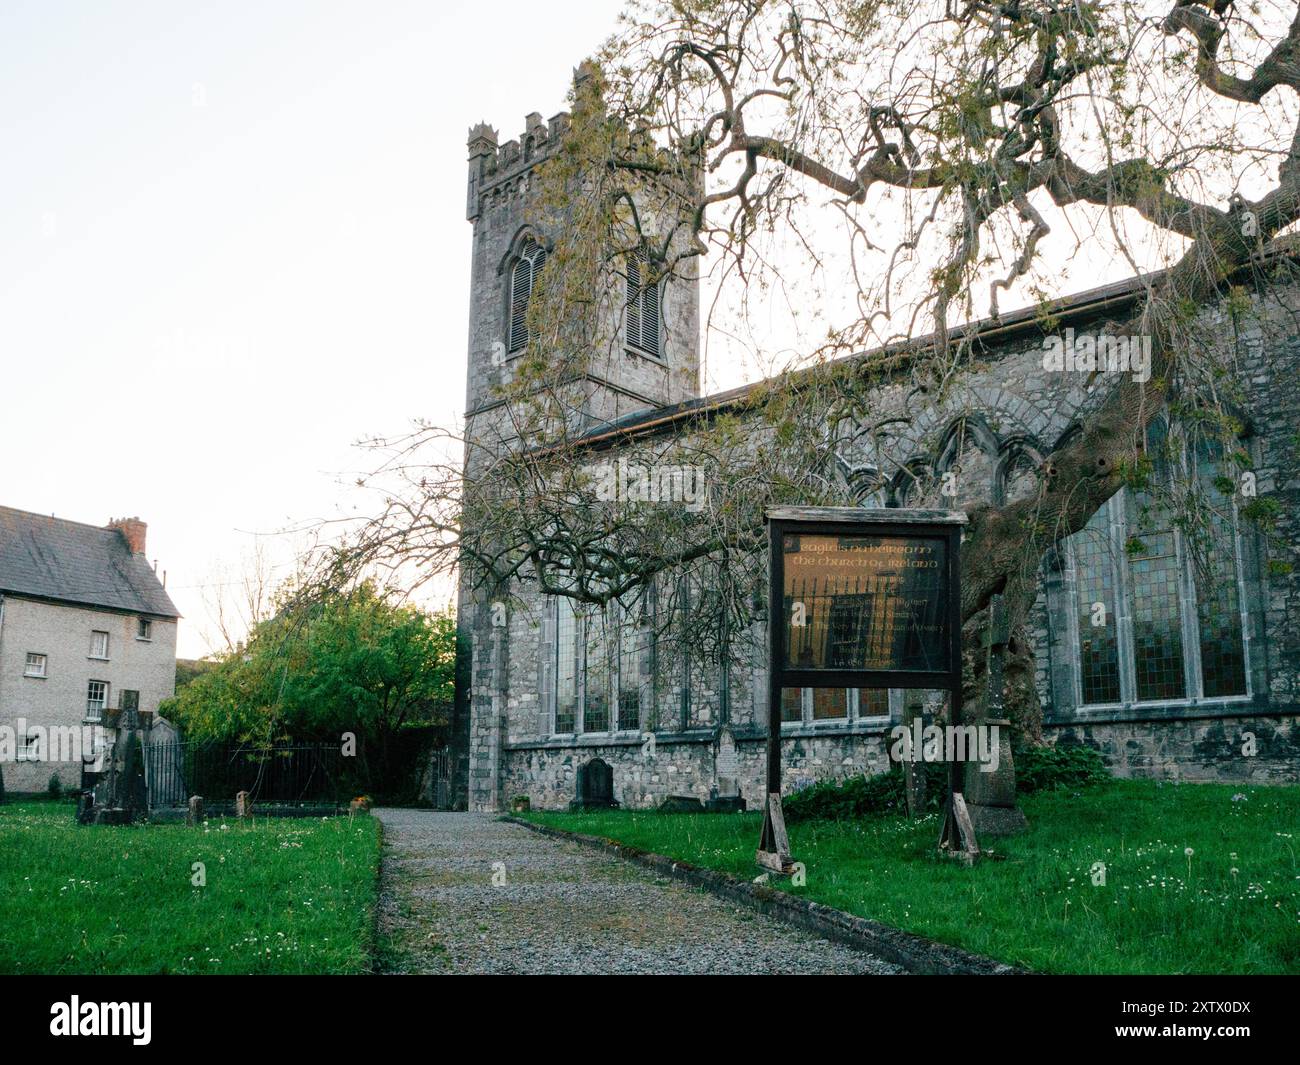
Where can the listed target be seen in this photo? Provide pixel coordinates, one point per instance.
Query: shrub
(864, 796)
(54, 789)
(1058, 768)
(1037, 769)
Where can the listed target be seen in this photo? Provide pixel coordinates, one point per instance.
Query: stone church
(1193, 674)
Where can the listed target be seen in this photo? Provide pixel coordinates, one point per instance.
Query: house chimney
(133, 532)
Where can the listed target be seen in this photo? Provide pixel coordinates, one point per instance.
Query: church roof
(1081, 305)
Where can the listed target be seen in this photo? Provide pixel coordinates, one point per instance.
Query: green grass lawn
(1231, 906)
(282, 896)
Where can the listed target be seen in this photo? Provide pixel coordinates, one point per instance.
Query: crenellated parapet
(497, 170)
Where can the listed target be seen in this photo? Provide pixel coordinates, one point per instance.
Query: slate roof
(1081, 306)
(1090, 303)
(52, 558)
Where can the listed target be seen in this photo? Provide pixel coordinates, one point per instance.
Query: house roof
(67, 561)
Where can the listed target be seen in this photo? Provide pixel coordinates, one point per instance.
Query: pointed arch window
(523, 279)
(1155, 621)
(642, 314)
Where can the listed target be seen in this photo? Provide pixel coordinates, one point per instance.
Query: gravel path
(564, 909)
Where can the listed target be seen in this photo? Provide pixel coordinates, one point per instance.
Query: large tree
(917, 162)
(354, 661)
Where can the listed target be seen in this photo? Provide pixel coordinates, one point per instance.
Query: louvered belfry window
(642, 314)
(523, 278)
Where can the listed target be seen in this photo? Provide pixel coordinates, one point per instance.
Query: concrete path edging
(914, 953)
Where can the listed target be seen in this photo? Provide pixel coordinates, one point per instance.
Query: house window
(29, 748)
(642, 313)
(35, 666)
(143, 629)
(523, 279)
(96, 699)
(98, 644)
(1158, 619)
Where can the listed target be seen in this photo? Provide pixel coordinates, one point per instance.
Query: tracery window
(523, 280)
(1158, 614)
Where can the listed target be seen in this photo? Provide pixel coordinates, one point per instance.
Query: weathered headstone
(595, 787)
(681, 804)
(991, 796)
(119, 795)
(243, 804)
(194, 813)
(724, 796)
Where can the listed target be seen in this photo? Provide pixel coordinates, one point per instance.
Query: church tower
(653, 362)
(650, 360)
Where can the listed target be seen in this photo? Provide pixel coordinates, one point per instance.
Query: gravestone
(681, 804)
(595, 787)
(243, 804)
(991, 796)
(724, 796)
(119, 795)
(194, 814)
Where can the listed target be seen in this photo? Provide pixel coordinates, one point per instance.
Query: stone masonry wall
(991, 431)
(680, 765)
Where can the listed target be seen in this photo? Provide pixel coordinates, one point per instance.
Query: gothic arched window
(642, 317)
(1158, 618)
(523, 278)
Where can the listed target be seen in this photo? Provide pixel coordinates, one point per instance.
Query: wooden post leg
(774, 844)
(957, 838)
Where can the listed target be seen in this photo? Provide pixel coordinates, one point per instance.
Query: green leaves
(354, 662)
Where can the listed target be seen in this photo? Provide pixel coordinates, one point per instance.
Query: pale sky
(233, 241)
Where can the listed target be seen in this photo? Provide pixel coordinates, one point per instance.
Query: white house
(85, 626)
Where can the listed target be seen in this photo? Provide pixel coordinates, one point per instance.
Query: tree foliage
(900, 168)
(354, 661)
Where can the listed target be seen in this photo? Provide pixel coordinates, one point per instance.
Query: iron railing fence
(300, 772)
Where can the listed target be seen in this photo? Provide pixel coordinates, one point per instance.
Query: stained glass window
(830, 704)
(1098, 619)
(873, 702)
(595, 701)
(1218, 597)
(566, 665)
(1159, 616)
(1155, 578)
(633, 661)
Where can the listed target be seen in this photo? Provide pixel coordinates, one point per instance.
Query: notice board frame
(944, 525)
